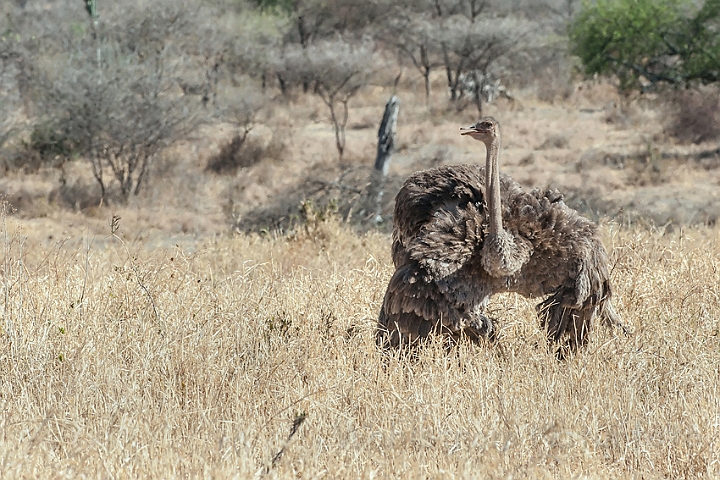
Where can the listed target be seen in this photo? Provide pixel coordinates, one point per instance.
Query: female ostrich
(463, 233)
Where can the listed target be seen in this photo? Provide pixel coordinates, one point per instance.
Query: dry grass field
(120, 360)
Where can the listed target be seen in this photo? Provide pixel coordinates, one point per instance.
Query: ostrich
(463, 233)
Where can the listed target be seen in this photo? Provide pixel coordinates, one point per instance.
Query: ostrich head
(487, 130)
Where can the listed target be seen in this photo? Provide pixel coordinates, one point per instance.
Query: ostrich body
(463, 233)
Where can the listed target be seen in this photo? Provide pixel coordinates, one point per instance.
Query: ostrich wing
(446, 242)
(410, 292)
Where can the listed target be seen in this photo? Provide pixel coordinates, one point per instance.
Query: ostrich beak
(468, 130)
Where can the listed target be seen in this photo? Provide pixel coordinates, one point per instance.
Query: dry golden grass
(122, 362)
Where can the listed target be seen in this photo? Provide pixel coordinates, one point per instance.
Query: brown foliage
(695, 115)
(243, 151)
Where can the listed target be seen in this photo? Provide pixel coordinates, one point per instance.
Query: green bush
(646, 42)
(50, 142)
(48, 146)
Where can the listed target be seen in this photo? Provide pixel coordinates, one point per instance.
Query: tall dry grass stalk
(120, 362)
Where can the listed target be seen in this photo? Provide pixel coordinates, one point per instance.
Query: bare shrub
(110, 90)
(314, 20)
(336, 69)
(311, 20)
(253, 51)
(543, 65)
(7, 120)
(695, 116)
(471, 39)
(415, 35)
(243, 108)
(122, 115)
(11, 67)
(116, 95)
(473, 47)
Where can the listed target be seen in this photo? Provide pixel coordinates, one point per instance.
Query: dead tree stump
(386, 145)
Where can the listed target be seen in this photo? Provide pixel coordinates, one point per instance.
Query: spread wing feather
(438, 218)
(448, 240)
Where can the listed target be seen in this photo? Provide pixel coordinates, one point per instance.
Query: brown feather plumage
(440, 284)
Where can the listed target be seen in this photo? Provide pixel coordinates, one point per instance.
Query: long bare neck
(492, 185)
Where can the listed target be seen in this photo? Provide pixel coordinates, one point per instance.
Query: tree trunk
(478, 91)
(426, 75)
(282, 83)
(449, 73)
(96, 163)
(337, 125)
(425, 62)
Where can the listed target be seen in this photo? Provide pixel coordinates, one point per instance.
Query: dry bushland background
(186, 275)
(223, 114)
